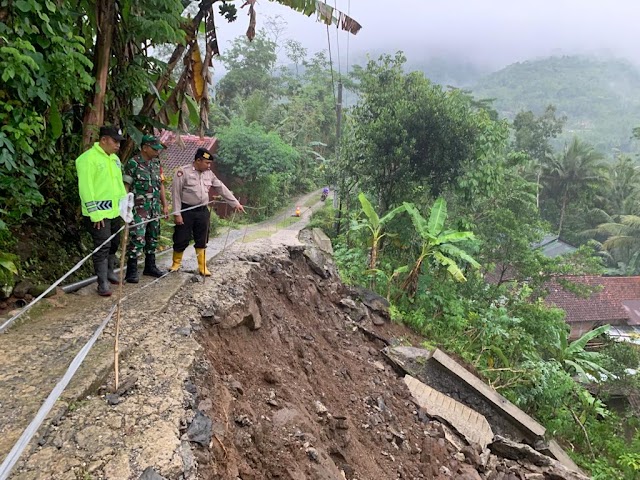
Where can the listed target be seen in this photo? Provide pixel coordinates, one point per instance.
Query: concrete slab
(443, 374)
(469, 423)
(508, 409)
(557, 452)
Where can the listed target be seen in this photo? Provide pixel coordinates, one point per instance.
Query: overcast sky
(491, 33)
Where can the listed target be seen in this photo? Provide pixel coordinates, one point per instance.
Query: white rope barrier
(18, 449)
(28, 307)
(30, 431)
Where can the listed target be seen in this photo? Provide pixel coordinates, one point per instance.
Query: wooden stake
(116, 345)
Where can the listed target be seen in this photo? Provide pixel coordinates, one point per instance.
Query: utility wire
(338, 44)
(333, 83)
(346, 93)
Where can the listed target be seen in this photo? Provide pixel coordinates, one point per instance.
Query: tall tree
(250, 66)
(577, 171)
(413, 135)
(533, 135)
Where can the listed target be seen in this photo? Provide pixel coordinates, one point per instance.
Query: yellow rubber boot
(202, 262)
(177, 260)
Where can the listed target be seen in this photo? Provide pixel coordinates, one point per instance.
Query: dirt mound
(306, 395)
(296, 388)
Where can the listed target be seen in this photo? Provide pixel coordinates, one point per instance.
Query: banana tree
(389, 278)
(375, 225)
(123, 41)
(437, 244)
(575, 359)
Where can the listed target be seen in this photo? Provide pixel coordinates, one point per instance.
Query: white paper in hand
(126, 207)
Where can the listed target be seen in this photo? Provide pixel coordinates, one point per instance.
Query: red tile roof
(182, 148)
(615, 303)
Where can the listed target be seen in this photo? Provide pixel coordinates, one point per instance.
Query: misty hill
(443, 70)
(601, 98)
(448, 71)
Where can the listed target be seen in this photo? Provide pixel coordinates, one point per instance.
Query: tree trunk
(538, 189)
(94, 111)
(374, 256)
(410, 285)
(565, 200)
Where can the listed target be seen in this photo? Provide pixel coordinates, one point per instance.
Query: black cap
(111, 131)
(204, 153)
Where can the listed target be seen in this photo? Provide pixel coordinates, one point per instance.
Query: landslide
(307, 395)
(296, 387)
(268, 369)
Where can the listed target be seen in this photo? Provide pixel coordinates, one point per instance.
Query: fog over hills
(512, 51)
(489, 34)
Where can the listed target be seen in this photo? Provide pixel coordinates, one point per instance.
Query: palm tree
(620, 239)
(577, 170)
(624, 186)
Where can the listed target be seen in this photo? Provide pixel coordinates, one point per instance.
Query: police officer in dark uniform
(190, 188)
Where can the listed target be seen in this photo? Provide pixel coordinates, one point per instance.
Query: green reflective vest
(100, 183)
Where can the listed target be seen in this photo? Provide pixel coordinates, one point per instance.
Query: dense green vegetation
(428, 236)
(599, 97)
(68, 67)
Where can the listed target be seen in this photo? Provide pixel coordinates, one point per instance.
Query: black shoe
(104, 289)
(132, 271)
(150, 268)
(111, 275)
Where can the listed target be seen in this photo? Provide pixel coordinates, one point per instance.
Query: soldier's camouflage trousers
(143, 237)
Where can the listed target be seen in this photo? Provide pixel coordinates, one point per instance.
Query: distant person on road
(101, 189)
(143, 177)
(190, 188)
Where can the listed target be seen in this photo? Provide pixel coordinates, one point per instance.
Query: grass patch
(287, 222)
(256, 236)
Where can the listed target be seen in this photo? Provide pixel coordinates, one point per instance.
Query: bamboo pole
(116, 345)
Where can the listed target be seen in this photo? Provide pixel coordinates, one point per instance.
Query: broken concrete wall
(448, 377)
(442, 380)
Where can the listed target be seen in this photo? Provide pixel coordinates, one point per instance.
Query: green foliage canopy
(44, 68)
(411, 134)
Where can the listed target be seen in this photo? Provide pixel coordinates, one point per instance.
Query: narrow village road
(35, 353)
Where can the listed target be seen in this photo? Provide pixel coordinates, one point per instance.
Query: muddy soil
(308, 394)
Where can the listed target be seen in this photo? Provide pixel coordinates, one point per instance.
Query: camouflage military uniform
(145, 178)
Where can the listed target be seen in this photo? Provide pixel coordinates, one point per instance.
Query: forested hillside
(600, 98)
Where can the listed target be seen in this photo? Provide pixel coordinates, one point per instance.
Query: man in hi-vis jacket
(101, 189)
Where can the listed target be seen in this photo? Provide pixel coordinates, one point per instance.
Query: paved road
(35, 353)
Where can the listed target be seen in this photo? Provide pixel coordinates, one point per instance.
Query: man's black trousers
(196, 226)
(111, 225)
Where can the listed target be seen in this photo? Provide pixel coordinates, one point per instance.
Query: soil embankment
(270, 369)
